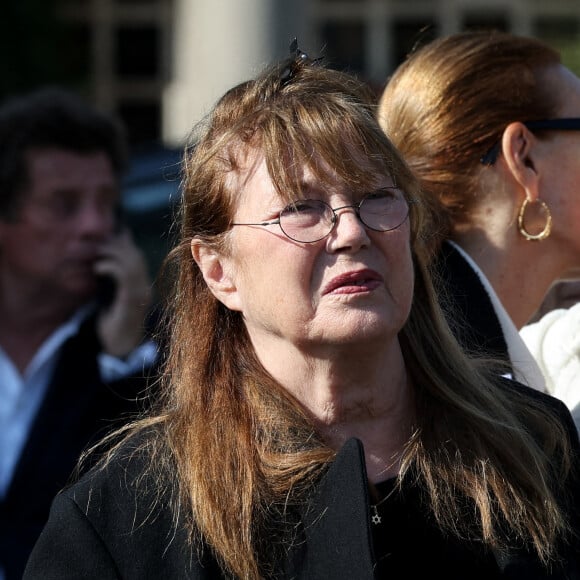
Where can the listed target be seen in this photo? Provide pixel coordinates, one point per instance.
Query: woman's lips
(354, 282)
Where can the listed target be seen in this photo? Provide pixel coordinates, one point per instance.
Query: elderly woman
(319, 419)
(490, 123)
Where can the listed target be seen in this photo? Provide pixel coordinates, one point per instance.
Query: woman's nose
(349, 231)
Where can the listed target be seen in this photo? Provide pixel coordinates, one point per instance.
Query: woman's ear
(521, 157)
(217, 272)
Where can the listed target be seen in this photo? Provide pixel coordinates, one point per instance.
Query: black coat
(78, 408)
(467, 305)
(112, 525)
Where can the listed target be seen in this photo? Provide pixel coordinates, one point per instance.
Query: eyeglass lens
(311, 220)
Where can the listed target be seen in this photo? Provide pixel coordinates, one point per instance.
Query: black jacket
(467, 305)
(77, 410)
(113, 525)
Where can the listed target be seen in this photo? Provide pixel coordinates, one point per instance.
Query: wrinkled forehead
(294, 172)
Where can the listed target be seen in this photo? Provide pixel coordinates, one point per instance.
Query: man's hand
(121, 325)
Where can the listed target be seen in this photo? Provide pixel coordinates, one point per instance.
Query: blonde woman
(490, 123)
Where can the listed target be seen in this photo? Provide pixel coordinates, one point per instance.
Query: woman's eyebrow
(308, 188)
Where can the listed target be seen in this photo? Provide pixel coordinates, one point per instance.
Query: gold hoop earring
(547, 228)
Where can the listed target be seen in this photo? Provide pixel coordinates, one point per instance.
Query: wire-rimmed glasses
(311, 220)
(564, 124)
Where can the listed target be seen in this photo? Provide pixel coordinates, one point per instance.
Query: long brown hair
(451, 99)
(244, 449)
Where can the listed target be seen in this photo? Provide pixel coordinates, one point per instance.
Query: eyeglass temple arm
(564, 124)
(267, 223)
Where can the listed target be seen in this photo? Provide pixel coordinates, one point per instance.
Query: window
(409, 33)
(487, 21)
(343, 44)
(142, 119)
(137, 52)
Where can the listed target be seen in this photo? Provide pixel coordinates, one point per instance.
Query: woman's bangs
(355, 155)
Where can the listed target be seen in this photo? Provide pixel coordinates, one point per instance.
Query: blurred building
(161, 64)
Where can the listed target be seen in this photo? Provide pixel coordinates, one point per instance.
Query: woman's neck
(349, 392)
(520, 273)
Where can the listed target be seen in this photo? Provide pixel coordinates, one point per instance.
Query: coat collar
(336, 525)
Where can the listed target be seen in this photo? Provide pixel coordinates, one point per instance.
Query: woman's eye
(383, 193)
(304, 206)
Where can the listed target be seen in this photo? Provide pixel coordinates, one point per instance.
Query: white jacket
(554, 341)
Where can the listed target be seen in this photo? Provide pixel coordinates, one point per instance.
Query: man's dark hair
(51, 118)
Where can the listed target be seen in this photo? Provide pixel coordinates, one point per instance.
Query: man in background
(74, 297)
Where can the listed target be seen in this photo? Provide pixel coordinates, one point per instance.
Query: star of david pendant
(375, 518)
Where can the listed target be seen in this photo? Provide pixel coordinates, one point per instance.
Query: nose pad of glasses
(353, 210)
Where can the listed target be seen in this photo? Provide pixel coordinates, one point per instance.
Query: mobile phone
(107, 285)
(106, 289)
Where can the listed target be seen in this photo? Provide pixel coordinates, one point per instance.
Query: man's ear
(521, 157)
(217, 273)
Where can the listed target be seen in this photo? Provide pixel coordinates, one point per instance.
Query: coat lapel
(467, 305)
(336, 524)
